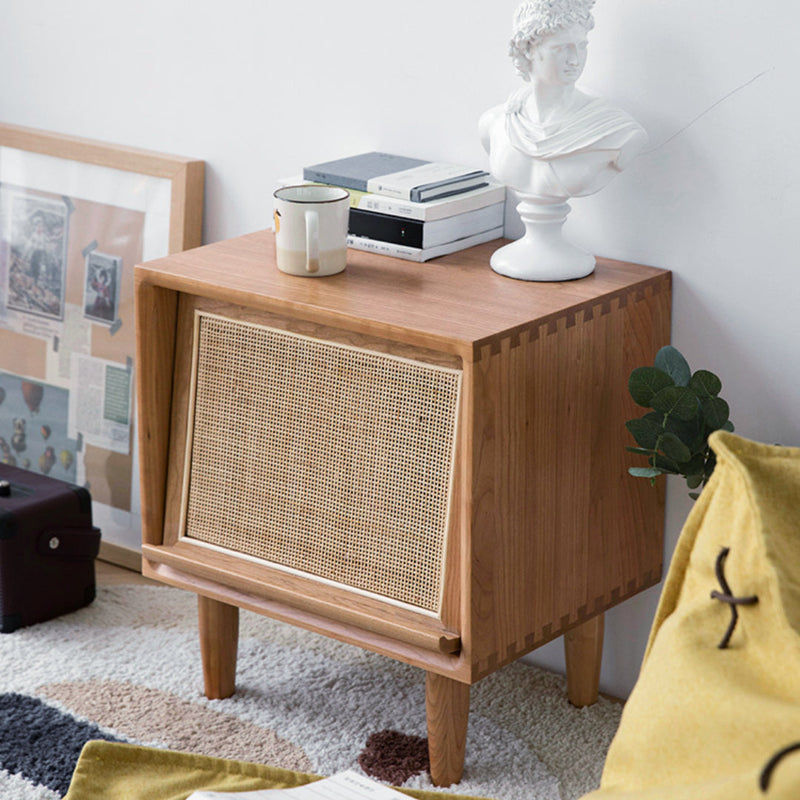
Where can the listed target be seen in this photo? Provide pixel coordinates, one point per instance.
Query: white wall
(257, 89)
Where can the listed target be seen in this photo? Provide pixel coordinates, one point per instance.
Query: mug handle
(312, 241)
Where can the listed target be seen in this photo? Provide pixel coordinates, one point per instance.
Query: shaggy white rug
(128, 668)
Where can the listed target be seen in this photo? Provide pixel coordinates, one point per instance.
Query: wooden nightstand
(425, 460)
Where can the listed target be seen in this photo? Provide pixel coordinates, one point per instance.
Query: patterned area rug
(127, 668)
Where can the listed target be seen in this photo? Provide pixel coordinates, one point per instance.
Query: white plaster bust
(551, 141)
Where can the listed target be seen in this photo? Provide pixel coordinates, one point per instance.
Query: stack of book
(413, 209)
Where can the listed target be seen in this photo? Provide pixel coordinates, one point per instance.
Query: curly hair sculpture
(534, 20)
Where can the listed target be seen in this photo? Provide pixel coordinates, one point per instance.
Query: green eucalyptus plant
(686, 409)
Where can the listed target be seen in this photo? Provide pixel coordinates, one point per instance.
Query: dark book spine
(386, 228)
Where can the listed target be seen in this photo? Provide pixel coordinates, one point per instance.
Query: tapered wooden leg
(447, 708)
(583, 651)
(219, 640)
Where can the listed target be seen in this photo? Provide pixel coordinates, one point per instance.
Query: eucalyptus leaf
(705, 384)
(641, 451)
(645, 472)
(677, 400)
(671, 361)
(645, 382)
(675, 449)
(693, 481)
(666, 464)
(697, 464)
(715, 412)
(645, 431)
(690, 432)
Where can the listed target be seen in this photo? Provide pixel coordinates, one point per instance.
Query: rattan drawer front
(323, 458)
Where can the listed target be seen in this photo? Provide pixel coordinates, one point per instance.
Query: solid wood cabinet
(424, 460)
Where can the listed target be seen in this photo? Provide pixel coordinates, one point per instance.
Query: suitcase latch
(72, 544)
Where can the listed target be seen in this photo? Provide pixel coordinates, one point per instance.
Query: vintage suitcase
(47, 548)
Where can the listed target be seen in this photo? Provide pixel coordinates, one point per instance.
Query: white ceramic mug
(311, 229)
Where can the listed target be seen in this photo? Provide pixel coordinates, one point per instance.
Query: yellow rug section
(113, 771)
(719, 691)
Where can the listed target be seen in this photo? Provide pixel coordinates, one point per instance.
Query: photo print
(33, 427)
(36, 233)
(101, 287)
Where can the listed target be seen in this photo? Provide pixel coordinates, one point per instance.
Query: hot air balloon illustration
(46, 460)
(45, 429)
(33, 393)
(66, 459)
(18, 439)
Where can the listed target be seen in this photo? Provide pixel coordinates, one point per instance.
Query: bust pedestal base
(542, 254)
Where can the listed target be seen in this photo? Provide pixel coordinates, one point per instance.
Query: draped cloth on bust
(595, 125)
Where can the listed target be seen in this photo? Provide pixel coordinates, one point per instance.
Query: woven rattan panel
(327, 459)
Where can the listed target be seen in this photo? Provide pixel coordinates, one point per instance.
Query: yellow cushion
(707, 715)
(113, 771)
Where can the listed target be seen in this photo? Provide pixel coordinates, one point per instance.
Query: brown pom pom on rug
(394, 757)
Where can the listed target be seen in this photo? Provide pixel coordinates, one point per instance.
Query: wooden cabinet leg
(583, 651)
(219, 640)
(447, 708)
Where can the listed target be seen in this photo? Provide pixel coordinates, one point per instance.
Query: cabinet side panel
(560, 531)
(156, 310)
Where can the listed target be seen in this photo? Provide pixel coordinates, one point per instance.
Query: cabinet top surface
(455, 299)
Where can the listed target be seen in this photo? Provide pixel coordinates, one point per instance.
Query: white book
(420, 254)
(426, 182)
(348, 785)
(471, 200)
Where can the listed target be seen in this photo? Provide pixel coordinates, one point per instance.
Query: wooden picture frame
(76, 216)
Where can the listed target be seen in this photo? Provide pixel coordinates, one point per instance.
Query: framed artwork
(76, 215)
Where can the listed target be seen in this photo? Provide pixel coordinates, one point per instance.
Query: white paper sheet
(343, 786)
